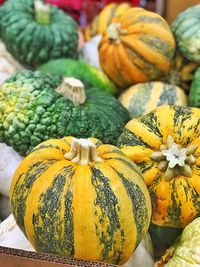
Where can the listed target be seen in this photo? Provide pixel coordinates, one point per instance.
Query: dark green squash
(162, 238)
(35, 32)
(34, 107)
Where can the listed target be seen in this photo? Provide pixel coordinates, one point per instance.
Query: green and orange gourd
(104, 19)
(81, 198)
(137, 47)
(181, 72)
(165, 145)
(142, 98)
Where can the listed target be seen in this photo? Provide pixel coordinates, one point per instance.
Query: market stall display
(100, 135)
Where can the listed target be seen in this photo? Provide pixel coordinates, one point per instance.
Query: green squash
(194, 95)
(162, 238)
(35, 107)
(35, 32)
(186, 29)
(88, 74)
(185, 251)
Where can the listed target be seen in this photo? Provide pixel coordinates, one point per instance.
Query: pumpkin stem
(173, 159)
(114, 31)
(42, 12)
(83, 151)
(72, 89)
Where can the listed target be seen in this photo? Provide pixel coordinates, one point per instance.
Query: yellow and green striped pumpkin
(142, 98)
(103, 20)
(165, 145)
(80, 198)
(136, 47)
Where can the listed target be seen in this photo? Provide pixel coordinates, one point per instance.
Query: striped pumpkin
(186, 29)
(79, 198)
(137, 47)
(165, 144)
(144, 97)
(181, 71)
(103, 20)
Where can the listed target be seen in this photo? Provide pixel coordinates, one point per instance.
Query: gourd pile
(100, 142)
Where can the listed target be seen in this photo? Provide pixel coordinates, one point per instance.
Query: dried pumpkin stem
(114, 32)
(42, 12)
(72, 89)
(83, 151)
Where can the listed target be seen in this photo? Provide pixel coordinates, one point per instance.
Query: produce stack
(101, 144)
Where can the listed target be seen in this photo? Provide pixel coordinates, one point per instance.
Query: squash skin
(105, 224)
(174, 203)
(78, 69)
(36, 112)
(162, 238)
(194, 95)
(186, 29)
(103, 20)
(32, 43)
(142, 98)
(181, 71)
(142, 51)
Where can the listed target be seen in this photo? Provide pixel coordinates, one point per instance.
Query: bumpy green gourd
(35, 32)
(88, 74)
(34, 108)
(194, 95)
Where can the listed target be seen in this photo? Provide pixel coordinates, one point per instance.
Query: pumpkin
(142, 98)
(137, 47)
(103, 20)
(36, 107)
(11, 236)
(88, 74)
(9, 160)
(165, 145)
(37, 32)
(185, 251)
(194, 94)
(89, 51)
(181, 71)
(186, 29)
(79, 198)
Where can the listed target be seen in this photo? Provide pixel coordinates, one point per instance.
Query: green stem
(42, 12)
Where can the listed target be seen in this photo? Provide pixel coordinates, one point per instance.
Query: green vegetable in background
(88, 74)
(35, 32)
